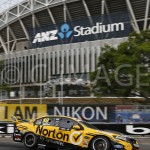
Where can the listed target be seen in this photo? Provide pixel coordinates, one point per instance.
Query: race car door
(71, 137)
(48, 130)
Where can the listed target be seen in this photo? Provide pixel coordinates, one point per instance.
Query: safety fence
(128, 129)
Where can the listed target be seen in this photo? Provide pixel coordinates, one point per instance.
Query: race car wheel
(100, 143)
(30, 140)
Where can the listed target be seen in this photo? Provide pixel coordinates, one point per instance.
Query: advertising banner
(6, 128)
(89, 113)
(25, 111)
(92, 28)
(128, 129)
(133, 116)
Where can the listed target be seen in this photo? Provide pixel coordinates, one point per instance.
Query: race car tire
(30, 141)
(100, 143)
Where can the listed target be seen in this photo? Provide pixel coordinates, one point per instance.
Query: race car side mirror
(76, 127)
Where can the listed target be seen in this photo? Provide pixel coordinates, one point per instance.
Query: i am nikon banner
(85, 29)
(90, 113)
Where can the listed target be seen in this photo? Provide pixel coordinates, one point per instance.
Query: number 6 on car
(54, 132)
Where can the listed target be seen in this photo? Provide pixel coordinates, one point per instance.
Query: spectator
(119, 119)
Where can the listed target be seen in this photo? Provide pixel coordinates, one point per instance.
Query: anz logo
(52, 35)
(65, 31)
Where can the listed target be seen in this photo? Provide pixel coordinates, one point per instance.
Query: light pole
(1, 88)
(20, 74)
(61, 100)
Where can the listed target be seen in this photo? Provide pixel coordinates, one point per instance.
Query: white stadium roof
(6, 4)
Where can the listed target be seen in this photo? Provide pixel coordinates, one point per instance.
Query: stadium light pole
(40, 92)
(1, 87)
(61, 99)
(20, 85)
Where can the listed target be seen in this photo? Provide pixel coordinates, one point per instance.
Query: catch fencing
(128, 129)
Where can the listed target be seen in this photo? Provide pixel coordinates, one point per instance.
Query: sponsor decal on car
(55, 142)
(75, 137)
(76, 140)
(52, 133)
(17, 137)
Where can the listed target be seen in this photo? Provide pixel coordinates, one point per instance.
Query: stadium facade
(47, 40)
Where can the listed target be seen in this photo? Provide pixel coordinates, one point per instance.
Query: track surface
(8, 144)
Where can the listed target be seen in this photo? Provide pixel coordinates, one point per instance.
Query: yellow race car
(62, 132)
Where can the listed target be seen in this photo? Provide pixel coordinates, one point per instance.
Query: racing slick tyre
(100, 143)
(30, 140)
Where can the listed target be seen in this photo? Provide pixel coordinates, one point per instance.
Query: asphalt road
(8, 144)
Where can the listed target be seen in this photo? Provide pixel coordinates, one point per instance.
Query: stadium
(55, 41)
(48, 50)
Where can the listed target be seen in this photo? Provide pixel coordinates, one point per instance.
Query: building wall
(41, 64)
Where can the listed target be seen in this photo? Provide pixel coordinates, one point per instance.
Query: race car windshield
(88, 125)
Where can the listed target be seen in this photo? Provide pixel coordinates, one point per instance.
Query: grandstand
(29, 66)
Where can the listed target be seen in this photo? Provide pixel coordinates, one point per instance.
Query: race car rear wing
(15, 119)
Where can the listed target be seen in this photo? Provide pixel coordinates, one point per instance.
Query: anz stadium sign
(78, 31)
(87, 29)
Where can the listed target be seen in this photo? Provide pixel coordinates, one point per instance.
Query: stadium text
(99, 28)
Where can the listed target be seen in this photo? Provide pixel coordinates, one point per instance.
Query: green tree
(125, 70)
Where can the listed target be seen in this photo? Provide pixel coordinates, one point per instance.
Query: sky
(3, 1)
(5, 4)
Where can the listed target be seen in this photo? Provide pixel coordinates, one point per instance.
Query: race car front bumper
(130, 144)
(17, 135)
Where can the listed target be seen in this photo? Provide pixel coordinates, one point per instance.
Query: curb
(6, 135)
(141, 137)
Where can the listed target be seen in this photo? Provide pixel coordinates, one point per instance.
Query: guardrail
(128, 129)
